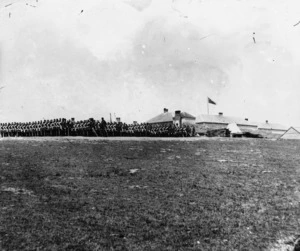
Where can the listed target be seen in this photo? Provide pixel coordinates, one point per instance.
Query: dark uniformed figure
(103, 127)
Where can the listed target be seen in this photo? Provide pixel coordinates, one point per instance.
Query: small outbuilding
(291, 133)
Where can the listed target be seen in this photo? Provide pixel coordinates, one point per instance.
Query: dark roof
(220, 119)
(168, 117)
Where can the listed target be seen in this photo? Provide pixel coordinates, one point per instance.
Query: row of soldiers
(91, 127)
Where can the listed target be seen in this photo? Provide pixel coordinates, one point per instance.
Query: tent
(291, 133)
(234, 130)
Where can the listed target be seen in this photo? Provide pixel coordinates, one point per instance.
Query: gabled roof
(186, 115)
(162, 118)
(272, 126)
(168, 117)
(291, 133)
(221, 119)
(297, 128)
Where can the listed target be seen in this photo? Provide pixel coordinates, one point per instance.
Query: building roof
(221, 119)
(291, 133)
(272, 126)
(168, 117)
(162, 118)
(186, 115)
(297, 128)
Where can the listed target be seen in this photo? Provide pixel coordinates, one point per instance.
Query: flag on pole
(211, 101)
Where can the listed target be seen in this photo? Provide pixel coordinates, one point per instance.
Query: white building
(220, 121)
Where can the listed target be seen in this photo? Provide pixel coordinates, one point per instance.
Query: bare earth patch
(16, 191)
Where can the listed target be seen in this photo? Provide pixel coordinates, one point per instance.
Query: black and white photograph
(131, 125)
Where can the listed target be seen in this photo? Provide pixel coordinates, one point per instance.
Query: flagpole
(207, 106)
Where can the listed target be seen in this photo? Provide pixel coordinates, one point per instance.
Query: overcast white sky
(133, 58)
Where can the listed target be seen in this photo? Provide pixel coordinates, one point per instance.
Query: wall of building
(187, 121)
(247, 127)
(211, 126)
(272, 131)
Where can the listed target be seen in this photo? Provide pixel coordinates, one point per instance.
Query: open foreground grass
(80, 194)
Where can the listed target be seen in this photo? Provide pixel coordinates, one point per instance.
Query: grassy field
(88, 194)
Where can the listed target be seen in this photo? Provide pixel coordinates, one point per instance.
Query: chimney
(267, 121)
(177, 112)
(118, 119)
(165, 110)
(220, 113)
(177, 117)
(246, 119)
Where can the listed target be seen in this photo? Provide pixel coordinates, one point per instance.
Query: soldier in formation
(91, 127)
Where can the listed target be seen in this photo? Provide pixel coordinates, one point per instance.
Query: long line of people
(91, 127)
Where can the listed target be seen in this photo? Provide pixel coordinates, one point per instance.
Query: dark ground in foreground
(225, 194)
